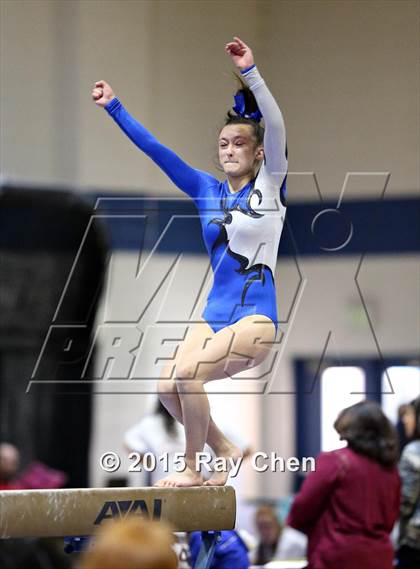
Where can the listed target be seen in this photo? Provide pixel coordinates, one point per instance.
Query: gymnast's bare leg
(204, 357)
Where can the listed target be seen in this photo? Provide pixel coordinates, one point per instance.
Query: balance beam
(55, 513)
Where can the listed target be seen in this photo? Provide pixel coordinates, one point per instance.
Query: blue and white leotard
(241, 230)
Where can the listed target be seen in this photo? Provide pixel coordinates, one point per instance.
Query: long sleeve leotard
(241, 230)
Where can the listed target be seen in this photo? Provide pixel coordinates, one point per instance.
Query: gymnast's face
(239, 154)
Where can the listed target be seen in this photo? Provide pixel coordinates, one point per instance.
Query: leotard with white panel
(242, 229)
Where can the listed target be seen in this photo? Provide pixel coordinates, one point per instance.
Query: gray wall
(345, 74)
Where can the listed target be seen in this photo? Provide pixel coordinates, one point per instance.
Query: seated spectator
(9, 464)
(275, 541)
(131, 543)
(269, 530)
(29, 553)
(401, 430)
(36, 475)
(350, 503)
(409, 540)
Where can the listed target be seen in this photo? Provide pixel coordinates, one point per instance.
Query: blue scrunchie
(239, 108)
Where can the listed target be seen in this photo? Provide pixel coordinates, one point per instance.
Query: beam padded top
(73, 512)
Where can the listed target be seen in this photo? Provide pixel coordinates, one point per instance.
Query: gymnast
(242, 220)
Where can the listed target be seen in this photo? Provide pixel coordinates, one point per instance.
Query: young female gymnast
(242, 219)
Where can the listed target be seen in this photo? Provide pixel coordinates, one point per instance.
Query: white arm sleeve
(275, 132)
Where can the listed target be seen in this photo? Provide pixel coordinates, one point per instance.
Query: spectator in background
(409, 541)
(269, 530)
(275, 541)
(29, 553)
(131, 543)
(36, 475)
(158, 433)
(9, 464)
(401, 430)
(350, 503)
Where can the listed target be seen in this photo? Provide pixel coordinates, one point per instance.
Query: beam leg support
(209, 541)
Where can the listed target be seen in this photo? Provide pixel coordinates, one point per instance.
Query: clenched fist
(102, 93)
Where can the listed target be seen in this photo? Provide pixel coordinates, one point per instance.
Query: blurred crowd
(359, 509)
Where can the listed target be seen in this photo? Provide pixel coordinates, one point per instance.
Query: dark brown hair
(415, 404)
(369, 432)
(266, 552)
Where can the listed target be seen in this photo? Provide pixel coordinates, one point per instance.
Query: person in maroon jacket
(349, 504)
(35, 475)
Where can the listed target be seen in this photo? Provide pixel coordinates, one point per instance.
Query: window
(404, 381)
(340, 388)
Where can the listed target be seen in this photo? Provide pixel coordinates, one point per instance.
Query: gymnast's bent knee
(187, 370)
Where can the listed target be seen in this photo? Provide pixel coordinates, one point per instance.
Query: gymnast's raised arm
(186, 178)
(275, 132)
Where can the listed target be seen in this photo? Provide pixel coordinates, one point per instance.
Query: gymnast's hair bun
(245, 104)
(246, 111)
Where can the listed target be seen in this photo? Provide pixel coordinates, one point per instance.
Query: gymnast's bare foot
(228, 452)
(186, 478)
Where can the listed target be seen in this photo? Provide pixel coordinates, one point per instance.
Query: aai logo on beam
(123, 508)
